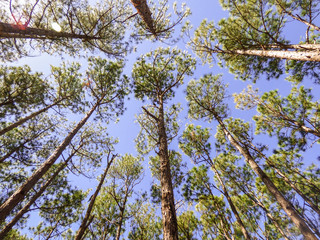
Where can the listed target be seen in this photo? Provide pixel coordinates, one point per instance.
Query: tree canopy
(215, 157)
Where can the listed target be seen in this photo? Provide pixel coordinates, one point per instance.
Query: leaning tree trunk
(122, 209)
(283, 202)
(21, 145)
(84, 224)
(22, 191)
(19, 31)
(145, 13)
(25, 209)
(25, 119)
(310, 56)
(169, 219)
(232, 206)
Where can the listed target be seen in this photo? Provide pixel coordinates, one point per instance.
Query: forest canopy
(161, 120)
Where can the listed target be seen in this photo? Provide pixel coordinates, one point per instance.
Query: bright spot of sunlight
(56, 27)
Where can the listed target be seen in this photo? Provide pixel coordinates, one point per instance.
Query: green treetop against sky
(159, 120)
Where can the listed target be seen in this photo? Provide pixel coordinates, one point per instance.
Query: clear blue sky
(126, 130)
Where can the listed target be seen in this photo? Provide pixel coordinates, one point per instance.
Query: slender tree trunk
(287, 180)
(283, 202)
(260, 204)
(20, 214)
(22, 191)
(19, 31)
(84, 222)
(23, 120)
(169, 219)
(120, 221)
(145, 13)
(3, 158)
(232, 206)
(313, 56)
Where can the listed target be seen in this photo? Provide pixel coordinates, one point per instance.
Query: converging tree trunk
(312, 56)
(169, 220)
(20, 31)
(25, 209)
(283, 202)
(25, 119)
(143, 10)
(23, 190)
(84, 224)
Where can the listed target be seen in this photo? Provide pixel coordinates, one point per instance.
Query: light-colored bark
(283, 202)
(312, 56)
(19, 31)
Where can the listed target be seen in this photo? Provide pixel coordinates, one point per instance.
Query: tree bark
(23, 120)
(283, 202)
(84, 222)
(19, 215)
(22, 191)
(20, 31)
(169, 219)
(311, 56)
(121, 219)
(232, 206)
(21, 145)
(145, 13)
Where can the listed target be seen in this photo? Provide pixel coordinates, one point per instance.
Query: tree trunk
(169, 219)
(84, 224)
(19, 215)
(20, 31)
(23, 120)
(120, 222)
(21, 145)
(22, 191)
(287, 180)
(283, 202)
(313, 56)
(232, 206)
(145, 13)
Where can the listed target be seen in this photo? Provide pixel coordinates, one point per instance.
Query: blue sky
(126, 130)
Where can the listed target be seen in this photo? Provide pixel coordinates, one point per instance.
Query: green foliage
(194, 143)
(145, 224)
(293, 119)
(105, 82)
(115, 205)
(21, 91)
(156, 73)
(102, 26)
(188, 225)
(205, 98)
(257, 25)
(177, 167)
(163, 21)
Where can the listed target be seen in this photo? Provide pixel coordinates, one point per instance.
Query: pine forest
(151, 120)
